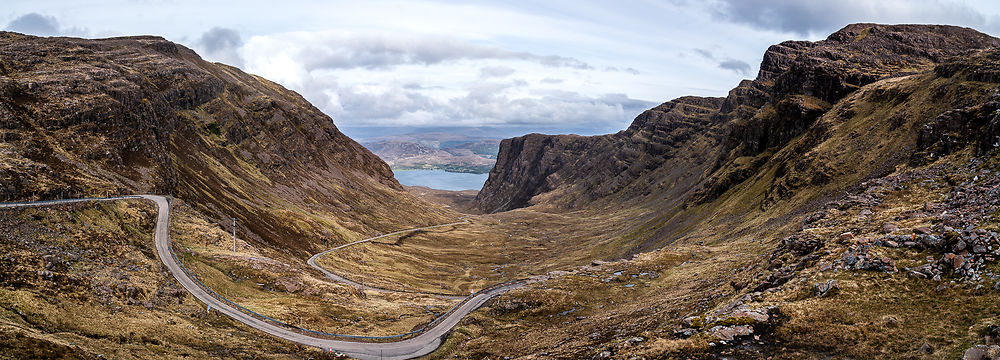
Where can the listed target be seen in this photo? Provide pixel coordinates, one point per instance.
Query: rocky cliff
(668, 147)
(143, 115)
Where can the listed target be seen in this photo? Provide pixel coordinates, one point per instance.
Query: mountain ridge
(797, 82)
(144, 115)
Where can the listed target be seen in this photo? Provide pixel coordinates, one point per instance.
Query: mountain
(446, 151)
(844, 203)
(135, 115)
(144, 115)
(695, 149)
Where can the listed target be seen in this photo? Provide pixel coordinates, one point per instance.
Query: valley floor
(904, 267)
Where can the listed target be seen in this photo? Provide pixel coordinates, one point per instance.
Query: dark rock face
(143, 115)
(977, 123)
(798, 82)
(595, 166)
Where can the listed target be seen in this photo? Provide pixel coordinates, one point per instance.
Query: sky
(381, 67)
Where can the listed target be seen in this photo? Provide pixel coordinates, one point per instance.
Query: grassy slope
(106, 292)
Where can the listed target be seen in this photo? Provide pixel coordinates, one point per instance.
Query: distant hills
(444, 151)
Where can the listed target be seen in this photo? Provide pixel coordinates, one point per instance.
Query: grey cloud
(43, 25)
(220, 39)
(552, 81)
(737, 66)
(383, 51)
(495, 71)
(704, 53)
(391, 104)
(628, 70)
(35, 24)
(222, 44)
(822, 17)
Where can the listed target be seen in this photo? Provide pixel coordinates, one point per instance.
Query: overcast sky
(552, 66)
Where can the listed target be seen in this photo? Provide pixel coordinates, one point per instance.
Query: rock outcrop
(585, 168)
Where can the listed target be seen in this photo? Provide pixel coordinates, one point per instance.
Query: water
(440, 179)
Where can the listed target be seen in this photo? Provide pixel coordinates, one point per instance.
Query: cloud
(823, 17)
(482, 104)
(495, 71)
(627, 70)
(42, 25)
(35, 24)
(386, 80)
(704, 53)
(737, 66)
(222, 44)
(335, 51)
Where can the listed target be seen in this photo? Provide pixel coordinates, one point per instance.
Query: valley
(843, 203)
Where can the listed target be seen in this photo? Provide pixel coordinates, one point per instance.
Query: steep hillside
(846, 207)
(144, 115)
(799, 81)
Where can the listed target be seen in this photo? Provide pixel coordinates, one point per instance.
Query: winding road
(422, 344)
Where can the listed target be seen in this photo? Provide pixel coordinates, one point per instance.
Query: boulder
(289, 284)
(825, 288)
(982, 352)
(728, 333)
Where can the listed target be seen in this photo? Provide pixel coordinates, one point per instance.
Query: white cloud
(406, 80)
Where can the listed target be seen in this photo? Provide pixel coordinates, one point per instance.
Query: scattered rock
(846, 236)
(289, 284)
(728, 333)
(891, 321)
(992, 335)
(923, 230)
(828, 287)
(889, 228)
(692, 321)
(926, 348)
(685, 333)
(956, 261)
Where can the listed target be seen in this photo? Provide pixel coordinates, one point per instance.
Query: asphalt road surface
(420, 345)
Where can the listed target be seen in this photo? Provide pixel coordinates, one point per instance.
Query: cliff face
(585, 168)
(798, 82)
(144, 115)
